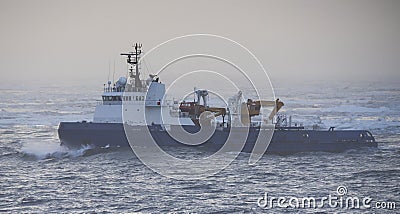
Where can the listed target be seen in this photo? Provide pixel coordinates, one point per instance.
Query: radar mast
(133, 61)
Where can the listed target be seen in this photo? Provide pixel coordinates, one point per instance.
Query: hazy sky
(72, 42)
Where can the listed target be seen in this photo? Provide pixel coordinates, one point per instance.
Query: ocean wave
(377, 173)
(355, 109)
(46, 150)
(8, 131)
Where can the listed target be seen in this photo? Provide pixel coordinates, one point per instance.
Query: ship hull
(78, 134)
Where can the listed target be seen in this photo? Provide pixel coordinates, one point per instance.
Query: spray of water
(47, 150)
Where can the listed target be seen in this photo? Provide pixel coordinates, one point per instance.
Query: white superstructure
(137, 102)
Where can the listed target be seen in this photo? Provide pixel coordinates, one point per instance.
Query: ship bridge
(136, 101)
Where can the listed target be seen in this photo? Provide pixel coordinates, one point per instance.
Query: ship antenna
(114, 73)
(135, 63)
(109, 70)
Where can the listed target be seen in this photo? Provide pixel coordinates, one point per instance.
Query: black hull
(78, 134)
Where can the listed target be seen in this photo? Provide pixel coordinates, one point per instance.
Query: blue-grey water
(39, 176)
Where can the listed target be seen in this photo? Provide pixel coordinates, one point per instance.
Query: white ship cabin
(114, 95)
(135, 101)
(125, 103)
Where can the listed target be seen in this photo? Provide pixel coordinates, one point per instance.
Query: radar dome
(122, 80)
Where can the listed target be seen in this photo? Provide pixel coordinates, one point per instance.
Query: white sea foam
(45, 150)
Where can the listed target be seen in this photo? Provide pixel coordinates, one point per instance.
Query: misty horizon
(58, 42)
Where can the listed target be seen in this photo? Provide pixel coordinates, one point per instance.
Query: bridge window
(107, 98)
(113, 98)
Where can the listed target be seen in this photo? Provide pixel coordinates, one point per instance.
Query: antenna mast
(133, 60)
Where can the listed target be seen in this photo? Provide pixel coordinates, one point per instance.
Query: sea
(37, 175)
